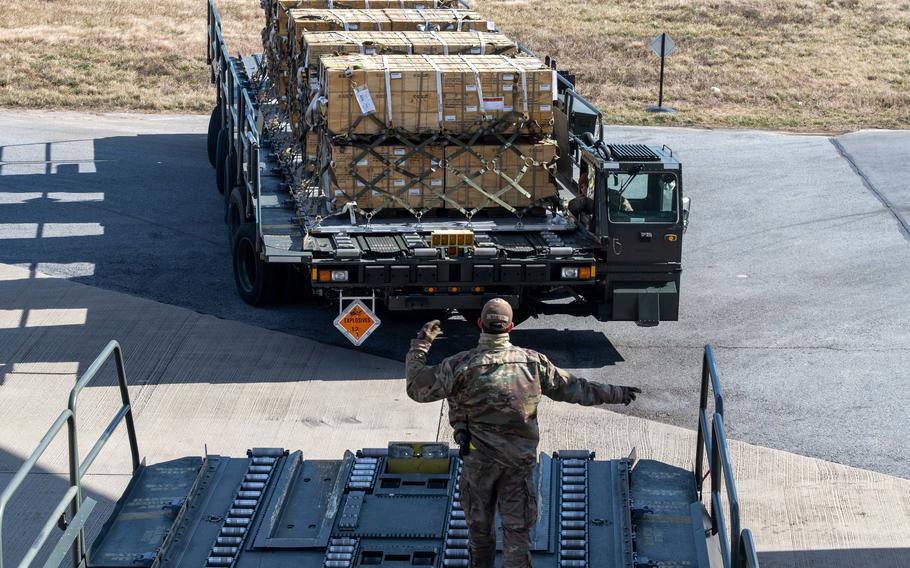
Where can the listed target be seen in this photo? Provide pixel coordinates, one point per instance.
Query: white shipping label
(339, 193)
(507, 88)
(399, 183)
(362, 93)
(399, 151)
(451, 118)
(363, 162)
(507, 109)
(414, 191)
(494, 103)
(436, 182)
(544, 108)
(471, 108)
(353, 27)
(369, 51)
(508, 77)
(358, 183)
(475, 51)
(394, 75)
(470, 88)
(545, 87)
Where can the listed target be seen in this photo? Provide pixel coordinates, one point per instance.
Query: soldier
(493, 391)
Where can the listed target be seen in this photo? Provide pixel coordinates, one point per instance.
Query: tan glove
(430, 331)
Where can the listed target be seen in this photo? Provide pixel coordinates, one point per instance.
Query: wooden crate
(458, 94)
(314, 45)
(397, 20)
(374, 4)
(371, 180)
(537, 160)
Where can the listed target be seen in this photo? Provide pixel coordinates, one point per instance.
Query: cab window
(643, 197)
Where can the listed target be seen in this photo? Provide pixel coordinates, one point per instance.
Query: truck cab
(629, 199)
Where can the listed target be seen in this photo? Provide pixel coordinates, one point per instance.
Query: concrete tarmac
(795, 268)
(200, 383)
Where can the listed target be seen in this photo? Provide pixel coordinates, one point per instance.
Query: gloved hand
(628, 394)
(463, 439)
(430, 331)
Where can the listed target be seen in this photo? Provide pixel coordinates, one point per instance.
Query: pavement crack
(904, 226)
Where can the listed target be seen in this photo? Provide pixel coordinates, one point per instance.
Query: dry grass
(793, 64)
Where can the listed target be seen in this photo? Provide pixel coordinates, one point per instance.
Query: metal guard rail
(239, 113)
(75, 529)
(737, 547)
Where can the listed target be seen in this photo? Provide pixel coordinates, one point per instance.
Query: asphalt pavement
(796, 263)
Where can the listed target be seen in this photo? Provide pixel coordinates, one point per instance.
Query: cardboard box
(528, 165)
(458, 94)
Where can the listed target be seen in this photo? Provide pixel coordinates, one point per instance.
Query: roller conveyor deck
(274, 508)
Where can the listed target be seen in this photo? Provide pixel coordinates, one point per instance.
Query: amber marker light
(671, 238)
(586, 272)
(453, 290)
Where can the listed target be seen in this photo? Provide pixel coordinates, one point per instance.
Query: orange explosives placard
(357, 322)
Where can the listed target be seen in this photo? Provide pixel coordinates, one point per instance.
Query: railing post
(79, 545)
(125, 400)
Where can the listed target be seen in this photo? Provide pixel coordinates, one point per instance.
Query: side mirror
(686, 206)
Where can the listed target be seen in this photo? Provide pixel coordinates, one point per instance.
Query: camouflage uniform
(495, 388)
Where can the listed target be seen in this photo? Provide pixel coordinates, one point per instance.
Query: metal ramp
(397, 506)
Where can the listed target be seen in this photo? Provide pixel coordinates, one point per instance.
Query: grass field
(821, 65)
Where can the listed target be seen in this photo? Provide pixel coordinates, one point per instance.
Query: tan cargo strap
(445, 46)
(340, 18)
(388, 87)
(438, 89)
(480, 105)
(524, 81)
(482, 42)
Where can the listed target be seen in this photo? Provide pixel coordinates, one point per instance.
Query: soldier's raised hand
(628, 394)
(430, 331)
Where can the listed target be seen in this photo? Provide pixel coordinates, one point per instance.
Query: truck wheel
(220, 160)
(214, 132)
(236, 213)
(258, 282)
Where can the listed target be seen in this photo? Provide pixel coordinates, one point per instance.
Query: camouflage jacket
(495, 388)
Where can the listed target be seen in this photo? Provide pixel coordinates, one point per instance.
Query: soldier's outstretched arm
(427, 383)
(565, 387)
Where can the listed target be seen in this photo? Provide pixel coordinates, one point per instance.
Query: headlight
(569, 273)
(578, 272)
(339, 276)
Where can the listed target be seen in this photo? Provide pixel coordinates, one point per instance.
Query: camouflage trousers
(486, 484)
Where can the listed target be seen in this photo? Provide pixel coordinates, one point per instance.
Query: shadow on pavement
(141, 215)
(33, 503)
(843, 558)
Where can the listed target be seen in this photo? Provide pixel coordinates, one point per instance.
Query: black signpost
(663, 45)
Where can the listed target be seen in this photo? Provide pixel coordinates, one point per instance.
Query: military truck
(607, 242)
(394, 507)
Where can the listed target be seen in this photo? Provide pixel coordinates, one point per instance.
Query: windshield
(643, 197)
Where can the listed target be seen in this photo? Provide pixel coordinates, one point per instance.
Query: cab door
(643, 216)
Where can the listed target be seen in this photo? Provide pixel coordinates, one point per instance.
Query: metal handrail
(77, 469)
(736, 546)
(747, 555)
(710, 378)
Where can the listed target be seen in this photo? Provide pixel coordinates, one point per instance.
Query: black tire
(236, 213)
(230, 177)
(214, 132)
(220, 159)
(258, 282)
